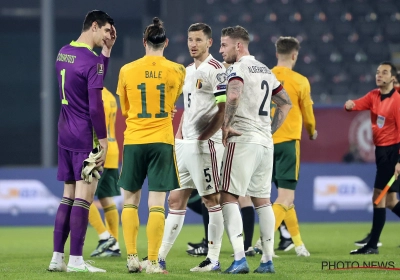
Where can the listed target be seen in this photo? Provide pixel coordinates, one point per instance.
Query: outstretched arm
(283, 106)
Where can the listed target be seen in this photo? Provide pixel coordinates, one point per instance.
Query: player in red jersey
(384, 105)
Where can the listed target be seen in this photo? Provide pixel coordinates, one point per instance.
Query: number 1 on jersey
(64, 100)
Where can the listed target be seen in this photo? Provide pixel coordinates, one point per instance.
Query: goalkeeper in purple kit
(82, 135)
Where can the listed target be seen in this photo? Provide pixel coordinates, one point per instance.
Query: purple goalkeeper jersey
(78, 69)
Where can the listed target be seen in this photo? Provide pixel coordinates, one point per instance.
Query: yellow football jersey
(148, 89)
(298, 89)
(110, 109)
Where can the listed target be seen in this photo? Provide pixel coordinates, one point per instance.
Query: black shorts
(386, 158)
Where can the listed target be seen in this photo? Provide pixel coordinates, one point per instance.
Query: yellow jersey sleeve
(307, 111)
(110, 110)
(121, 92)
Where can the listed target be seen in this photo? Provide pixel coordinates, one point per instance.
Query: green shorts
(107, 186)
(286, 164)
(156, 161)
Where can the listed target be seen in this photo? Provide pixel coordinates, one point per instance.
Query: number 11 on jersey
(144, 114)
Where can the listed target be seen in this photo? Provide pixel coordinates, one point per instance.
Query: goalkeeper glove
(89, 168)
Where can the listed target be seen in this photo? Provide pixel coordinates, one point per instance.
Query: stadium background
(342, 44)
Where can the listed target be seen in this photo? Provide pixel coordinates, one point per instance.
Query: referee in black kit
(384, 105)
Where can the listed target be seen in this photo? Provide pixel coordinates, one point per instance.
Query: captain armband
(220, 97)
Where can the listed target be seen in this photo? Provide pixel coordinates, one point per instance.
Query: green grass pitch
(25, 253)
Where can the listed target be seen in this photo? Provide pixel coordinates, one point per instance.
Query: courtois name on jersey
(201, 87)
(253, 116)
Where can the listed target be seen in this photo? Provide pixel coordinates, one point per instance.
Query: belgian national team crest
(380, 121)
(199, 84)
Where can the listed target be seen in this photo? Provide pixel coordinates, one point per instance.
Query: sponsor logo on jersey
(100, 69)
(221, 87)
(199, 83)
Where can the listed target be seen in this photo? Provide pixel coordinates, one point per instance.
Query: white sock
(266, 219)
(75, 260)
(115, 246)
(215, 232)
(234, 227)
(105, 235)
(173, 226)
(284, 232)
(59, 257)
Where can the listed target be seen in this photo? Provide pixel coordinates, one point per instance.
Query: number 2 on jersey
(261, 110)
(144, 114)
(64, 100)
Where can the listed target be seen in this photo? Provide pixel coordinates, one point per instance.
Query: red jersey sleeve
(363, 103)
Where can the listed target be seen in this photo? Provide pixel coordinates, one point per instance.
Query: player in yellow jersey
(148, 89)
(287, 138)
(107, 188)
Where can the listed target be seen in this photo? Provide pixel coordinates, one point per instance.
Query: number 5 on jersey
(144, 114)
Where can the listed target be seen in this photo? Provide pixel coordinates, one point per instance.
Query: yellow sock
(292, 226)
(95, 219)
(130, 227)
(155, 231)
(112, 219)
(280, 211)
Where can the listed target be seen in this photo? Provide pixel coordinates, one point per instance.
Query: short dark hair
(102, 18)
(154, 34)
(236, 32)
(286, 45)
(393, 69)
(201, 27)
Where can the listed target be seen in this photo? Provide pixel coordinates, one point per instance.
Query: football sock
(206, 220)
(112, 219)
(78, 223)
(267, 229)
(280, 211)
(130, 227)
(292, 225)
(215, 232)
(173, 226)
(248, 218)
(155, 231)
(95, 220)
(378, 222)
(234, 228)
(61, 224)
